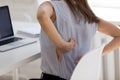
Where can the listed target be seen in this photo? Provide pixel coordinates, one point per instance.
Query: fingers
(72, 42)
(70, 45)
(59, 54)
(78, 59)
(76, 62)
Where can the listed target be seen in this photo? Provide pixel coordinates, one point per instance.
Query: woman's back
(67, 26)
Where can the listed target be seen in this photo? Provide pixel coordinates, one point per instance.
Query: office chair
(88, 68)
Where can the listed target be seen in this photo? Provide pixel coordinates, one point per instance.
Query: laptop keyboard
(9, 40)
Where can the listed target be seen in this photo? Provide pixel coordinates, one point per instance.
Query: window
(106, 9)
(105, 3)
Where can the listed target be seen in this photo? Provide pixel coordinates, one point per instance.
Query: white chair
(88, 67)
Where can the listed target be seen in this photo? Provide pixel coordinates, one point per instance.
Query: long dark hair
(79, 7)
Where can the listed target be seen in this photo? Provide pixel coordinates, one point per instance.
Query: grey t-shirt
(68, 27)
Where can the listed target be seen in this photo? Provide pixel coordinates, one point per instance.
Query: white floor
(30, 70)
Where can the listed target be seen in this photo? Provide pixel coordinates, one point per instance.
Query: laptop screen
(5, 23)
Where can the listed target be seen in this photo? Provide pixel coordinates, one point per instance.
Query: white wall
(22, 10)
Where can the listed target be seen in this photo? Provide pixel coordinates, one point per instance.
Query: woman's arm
(111, 30)
(45, 13)
(46, 16)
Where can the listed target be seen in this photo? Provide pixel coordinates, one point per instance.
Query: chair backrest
(88, 67)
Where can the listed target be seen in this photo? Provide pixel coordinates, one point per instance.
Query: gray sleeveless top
(68, 27)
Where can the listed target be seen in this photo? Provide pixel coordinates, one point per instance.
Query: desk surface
(12, 59)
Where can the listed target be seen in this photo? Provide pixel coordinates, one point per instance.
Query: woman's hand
(78, 59)
(66, 47)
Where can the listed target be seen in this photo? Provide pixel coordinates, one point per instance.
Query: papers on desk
(31, 31)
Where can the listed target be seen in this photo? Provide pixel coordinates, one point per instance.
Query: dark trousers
(45, 76)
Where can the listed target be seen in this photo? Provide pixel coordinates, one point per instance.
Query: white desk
(13, 59)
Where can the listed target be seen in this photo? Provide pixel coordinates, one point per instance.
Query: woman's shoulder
(45, 8)
(49, 4)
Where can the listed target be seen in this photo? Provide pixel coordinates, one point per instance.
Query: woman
(68, 29)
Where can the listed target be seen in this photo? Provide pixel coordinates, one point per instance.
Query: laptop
(7, 39)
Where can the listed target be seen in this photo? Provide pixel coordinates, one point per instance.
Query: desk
(13, 59)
